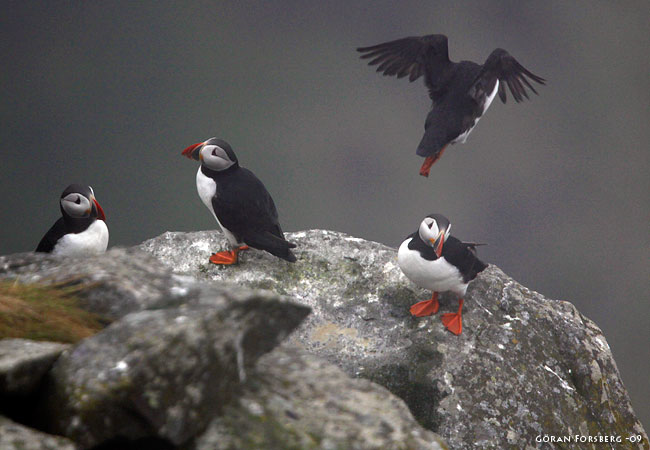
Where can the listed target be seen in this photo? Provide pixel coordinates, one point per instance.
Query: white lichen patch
(596, 374)
(178, 291)
(202, 246)
(563, 383)
(389, 267)
(602, 343)
(253, 407)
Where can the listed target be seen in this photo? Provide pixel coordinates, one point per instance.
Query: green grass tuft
(44, 313)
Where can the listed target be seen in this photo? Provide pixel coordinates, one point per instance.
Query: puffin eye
(78, 200)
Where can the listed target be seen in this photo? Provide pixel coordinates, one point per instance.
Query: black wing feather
(463, 256)
(245, 204)
(506, 68)
(56, 232)
(248, 211)
(413, 56)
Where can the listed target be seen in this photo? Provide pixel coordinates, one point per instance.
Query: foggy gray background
(110, 93)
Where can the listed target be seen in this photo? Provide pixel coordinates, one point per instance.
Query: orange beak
(193, 151)
(100, 211)
(438, 243)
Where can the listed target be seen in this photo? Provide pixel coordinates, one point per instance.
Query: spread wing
(507, 69)
(413, 56)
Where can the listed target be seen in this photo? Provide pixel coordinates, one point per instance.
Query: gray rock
(14, 436)
(525, 366)
(23, 364)
(164, 373)
(115, 283)
(298, 401)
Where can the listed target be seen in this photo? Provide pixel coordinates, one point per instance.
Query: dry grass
(44, 313)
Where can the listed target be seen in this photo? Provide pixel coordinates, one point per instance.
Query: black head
(78, 201)
(215, 154)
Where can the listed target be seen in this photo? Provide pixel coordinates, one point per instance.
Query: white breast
(207, 189)
(91, 241)
(463, 137)
(437, 275)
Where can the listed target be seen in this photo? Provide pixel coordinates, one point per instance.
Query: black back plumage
(457, 90)
(460, 254)
(56, 232)
(244, 206)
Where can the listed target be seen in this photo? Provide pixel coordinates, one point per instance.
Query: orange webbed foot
(227, 257)
(430, 161)
(426, 166)
(454, 321)
(224, 258)
(426, 307)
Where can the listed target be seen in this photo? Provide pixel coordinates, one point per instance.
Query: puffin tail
(275, 245)
(288, 256)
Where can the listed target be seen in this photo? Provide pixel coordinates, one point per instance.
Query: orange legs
(227, 257)
(452, 321)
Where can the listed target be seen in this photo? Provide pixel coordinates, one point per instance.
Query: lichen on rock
(524, 365)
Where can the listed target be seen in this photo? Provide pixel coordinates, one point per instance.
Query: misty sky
(110, 93)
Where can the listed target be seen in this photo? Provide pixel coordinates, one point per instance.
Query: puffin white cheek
(427, 233)
(74, 209)
(216, 162)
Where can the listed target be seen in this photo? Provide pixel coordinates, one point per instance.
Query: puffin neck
(418, 244)
(77, 225)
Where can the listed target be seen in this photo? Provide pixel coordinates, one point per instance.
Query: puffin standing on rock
(82, 228)
(434, 260)
(461, 92)
(238, 201)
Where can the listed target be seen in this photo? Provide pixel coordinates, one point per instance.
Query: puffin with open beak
(238, 201)
(435, 260)
(82, 229)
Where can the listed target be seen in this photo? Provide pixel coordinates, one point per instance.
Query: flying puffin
(82, 228)
(461, 92)
(239, 201)
(434, 260)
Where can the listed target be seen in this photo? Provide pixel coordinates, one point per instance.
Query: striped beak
(193, 151)
(438, 242)
(100, 210)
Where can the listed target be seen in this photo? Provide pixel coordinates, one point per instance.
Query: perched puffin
(434, 260)
(82, 228)
(461, 92)
(239, 201)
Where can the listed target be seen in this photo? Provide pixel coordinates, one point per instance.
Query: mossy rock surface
(523, 366)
